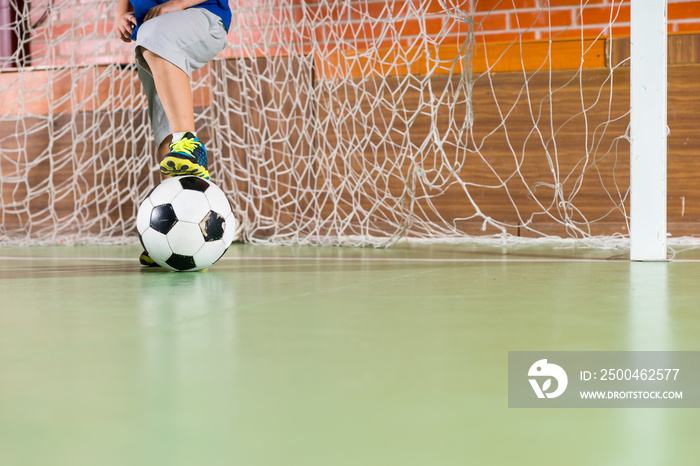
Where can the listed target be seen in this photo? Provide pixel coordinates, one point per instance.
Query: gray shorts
(188, 39)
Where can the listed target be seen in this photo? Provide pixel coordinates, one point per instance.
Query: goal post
(648, 129)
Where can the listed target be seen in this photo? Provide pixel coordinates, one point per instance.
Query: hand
(124, 26)
(167, 7)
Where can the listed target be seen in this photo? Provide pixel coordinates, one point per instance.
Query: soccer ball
(186, 223)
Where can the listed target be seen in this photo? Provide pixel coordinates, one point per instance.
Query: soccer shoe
(146, 260)
(186, 157)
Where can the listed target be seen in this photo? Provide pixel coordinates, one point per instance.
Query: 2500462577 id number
(639, 374)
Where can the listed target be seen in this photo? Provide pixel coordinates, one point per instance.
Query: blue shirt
(219, 7)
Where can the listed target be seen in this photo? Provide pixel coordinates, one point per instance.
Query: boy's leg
(185, 155)
(174, 90)
(168, 48)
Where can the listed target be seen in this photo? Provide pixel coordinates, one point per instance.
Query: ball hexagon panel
(212, 226)
(158, 247)
(163, 218)
(185, 238)
(193, 183)
(218, 200)
(210, 253)
(190, 206)
(143, 217)
(165, 191)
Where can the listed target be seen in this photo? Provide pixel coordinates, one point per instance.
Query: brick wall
(81, 30)
(75, 31)
(364, 24)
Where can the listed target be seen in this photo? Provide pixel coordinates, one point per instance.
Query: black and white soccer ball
(186, 223)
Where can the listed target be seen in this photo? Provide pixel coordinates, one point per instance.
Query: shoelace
(185, 145)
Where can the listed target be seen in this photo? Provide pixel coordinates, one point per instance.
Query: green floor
(328, 356)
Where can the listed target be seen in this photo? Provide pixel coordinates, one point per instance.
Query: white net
(331, 122)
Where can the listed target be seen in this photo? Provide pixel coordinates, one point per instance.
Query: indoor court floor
(328, 356)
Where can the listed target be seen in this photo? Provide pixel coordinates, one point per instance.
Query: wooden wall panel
(54, 188)
(511, 162)
(500, 168)
(684, 150)
(682, 49)
(263, 119)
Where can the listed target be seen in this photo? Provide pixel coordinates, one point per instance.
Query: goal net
(331, 121)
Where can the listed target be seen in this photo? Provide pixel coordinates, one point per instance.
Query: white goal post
(648, 129)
